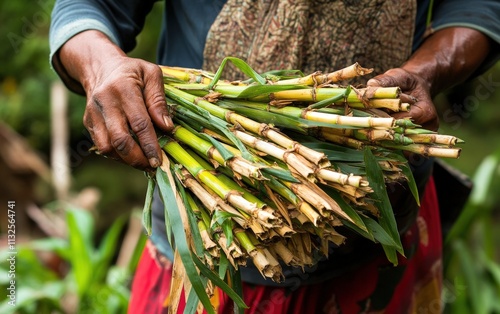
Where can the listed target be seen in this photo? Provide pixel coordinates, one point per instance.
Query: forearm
(449, 57)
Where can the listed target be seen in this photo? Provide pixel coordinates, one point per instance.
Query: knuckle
(122, 143)
(149, 149)
(105, 149)
(153, 69)
(158, 100)
(140, 125)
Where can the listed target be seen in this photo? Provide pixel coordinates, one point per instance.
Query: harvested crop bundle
(267, 170)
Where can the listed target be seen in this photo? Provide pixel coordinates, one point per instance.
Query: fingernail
(154, 162)
(168, 122)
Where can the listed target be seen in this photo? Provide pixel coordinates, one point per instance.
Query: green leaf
(411, 182)
(468, 269)
(108, 249)
(26, 296)
(225, 153)
(212, 122)
(378, 232)
(168, 192)
(240, 64)
(387, 219)
(267, 117)
(341, 111)
(193, 221)
(329, 101)
(220, 283)
(259, 90)
(80, 227)
(168, 198)
(58, 245)
(282, 174)
(493, 268)
(277, 116)
(351, 212)
(220, 216)
(237, 285)
(223, 265)
(227, 228)
(137, 253)
(280, 74)
(193, 300)
(146, 211)
(333, 151)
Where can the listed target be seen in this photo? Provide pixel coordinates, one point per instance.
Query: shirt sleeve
(121, 21)
(481, 15)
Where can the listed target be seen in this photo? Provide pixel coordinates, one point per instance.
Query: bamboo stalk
(318, 94)
(317, 78)
(237, 164)
(340, 178)
(363, 122)
(284, 253)
(249, 125)
(233, 197)
(339, 139)
(324, 206)
(435, 139)
(289, 157)
(362, 134)
(425, 150)
(395, 105)
(187, 75)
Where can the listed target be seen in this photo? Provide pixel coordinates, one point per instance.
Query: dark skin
(125, 95)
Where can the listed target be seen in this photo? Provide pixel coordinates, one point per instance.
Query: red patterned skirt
(414, 286)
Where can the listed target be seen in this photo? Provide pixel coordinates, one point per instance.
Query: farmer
(89, 40)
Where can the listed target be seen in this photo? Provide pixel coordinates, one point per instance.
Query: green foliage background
(469, 111)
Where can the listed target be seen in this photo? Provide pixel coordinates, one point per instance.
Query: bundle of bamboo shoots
(269, 169)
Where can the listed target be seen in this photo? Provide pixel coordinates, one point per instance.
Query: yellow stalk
(362, 122)
(343, 179)
(434, 138)
(264, 130)
(317, 78)
(342, 140)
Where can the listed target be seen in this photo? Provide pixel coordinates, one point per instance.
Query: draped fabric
(311, 35)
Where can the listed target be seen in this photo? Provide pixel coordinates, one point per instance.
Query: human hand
(123, 103)
(125, 99)
(416, 91)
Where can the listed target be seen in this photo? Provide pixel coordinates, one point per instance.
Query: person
(89, 40)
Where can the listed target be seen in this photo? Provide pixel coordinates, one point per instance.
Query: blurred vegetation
(92, 284)
(468, 111)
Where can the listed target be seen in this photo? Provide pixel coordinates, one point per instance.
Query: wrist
(448, 57)
(86, 54)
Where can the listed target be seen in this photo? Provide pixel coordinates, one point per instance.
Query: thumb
(392, 78)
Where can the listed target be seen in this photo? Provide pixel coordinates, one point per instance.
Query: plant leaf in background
(81, 226)
(104, 254)
(471, 247)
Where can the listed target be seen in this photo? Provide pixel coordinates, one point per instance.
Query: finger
(94, 123)
(393, 77)
(118, 131)
(141, 125)
(154, 97)
(408, 98)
